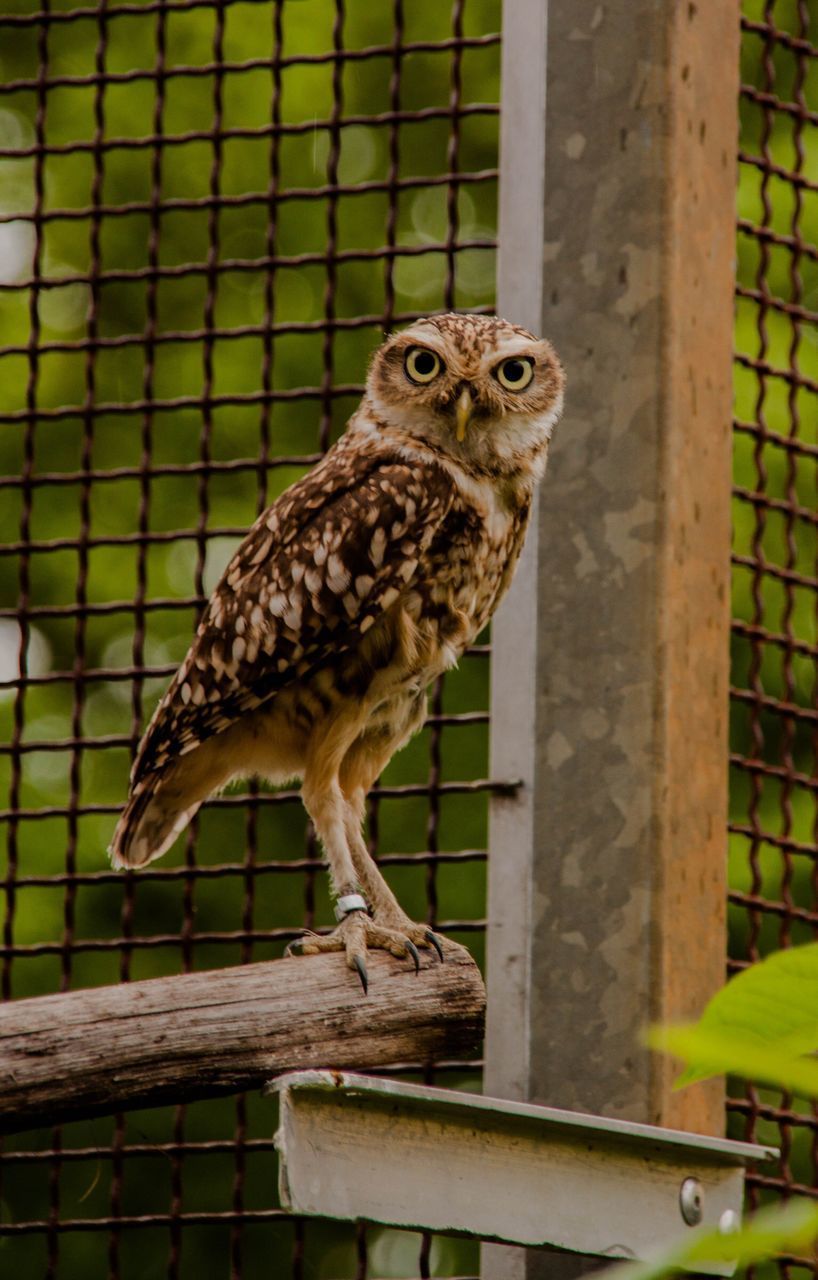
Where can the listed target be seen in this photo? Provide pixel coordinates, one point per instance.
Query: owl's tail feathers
(148, 825)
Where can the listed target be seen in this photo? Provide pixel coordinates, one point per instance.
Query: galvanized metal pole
(610, 672)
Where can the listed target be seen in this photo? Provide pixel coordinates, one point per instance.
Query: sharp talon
(291, 948)
(413, 951)
(434, 941)
(358, 961)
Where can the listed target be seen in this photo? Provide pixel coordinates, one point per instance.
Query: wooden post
(204, 1034)
(607, 872)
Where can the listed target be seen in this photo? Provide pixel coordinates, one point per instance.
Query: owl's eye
(422, 365)
(515, 374)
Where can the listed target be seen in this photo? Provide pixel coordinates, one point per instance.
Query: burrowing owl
(360, 585)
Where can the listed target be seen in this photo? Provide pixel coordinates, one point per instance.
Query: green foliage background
(182, 569)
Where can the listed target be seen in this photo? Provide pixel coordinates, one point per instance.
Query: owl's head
(482, 389)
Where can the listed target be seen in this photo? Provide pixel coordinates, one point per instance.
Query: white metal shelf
(407, 1155)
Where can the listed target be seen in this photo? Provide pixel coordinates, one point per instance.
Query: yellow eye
(515, 374)
(422, 365)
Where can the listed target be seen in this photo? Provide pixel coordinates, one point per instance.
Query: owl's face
(484, 390)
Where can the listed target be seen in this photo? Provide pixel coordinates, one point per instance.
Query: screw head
(691, 1201)
(729, 1223)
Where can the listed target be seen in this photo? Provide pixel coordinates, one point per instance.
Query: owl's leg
(327, 806)
(337, 778)
(350, 873)
(361, 766)
(388, 912)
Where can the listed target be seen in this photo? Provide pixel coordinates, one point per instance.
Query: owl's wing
(312, 575)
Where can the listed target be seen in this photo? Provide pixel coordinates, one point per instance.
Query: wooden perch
(203, 1034)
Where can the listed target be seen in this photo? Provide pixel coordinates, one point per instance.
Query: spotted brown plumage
(360, 585)
(312, 576)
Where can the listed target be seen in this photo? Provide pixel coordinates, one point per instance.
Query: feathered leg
(337, 819)
(387, 910)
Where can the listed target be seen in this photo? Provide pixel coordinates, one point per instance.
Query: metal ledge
(407, 1155)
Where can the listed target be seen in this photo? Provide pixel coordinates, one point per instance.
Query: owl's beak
(463, 411)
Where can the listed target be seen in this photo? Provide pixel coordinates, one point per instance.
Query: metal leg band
(347, 903)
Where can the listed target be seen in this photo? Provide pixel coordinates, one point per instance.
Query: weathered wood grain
(203, 1034)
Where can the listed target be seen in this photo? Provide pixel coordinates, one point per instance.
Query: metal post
(607, 881)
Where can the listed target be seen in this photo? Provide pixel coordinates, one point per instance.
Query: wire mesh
(774, 757)
(211, 212)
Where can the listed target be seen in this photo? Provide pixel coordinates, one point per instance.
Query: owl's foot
(358, 933)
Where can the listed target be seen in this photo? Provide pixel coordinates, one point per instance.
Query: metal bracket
(407, 1155)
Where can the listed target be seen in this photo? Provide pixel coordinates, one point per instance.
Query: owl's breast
(470, 566)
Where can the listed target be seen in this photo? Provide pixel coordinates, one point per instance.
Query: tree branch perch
(199, 1035)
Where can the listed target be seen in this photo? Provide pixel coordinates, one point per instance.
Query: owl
(350, 595)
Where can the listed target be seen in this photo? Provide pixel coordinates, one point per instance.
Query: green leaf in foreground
(788, 1229)
(721, 1052)
(759, 1025)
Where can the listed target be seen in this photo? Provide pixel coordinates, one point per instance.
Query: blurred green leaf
(775, 1230)
(759, 1025)
(721, 1052)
